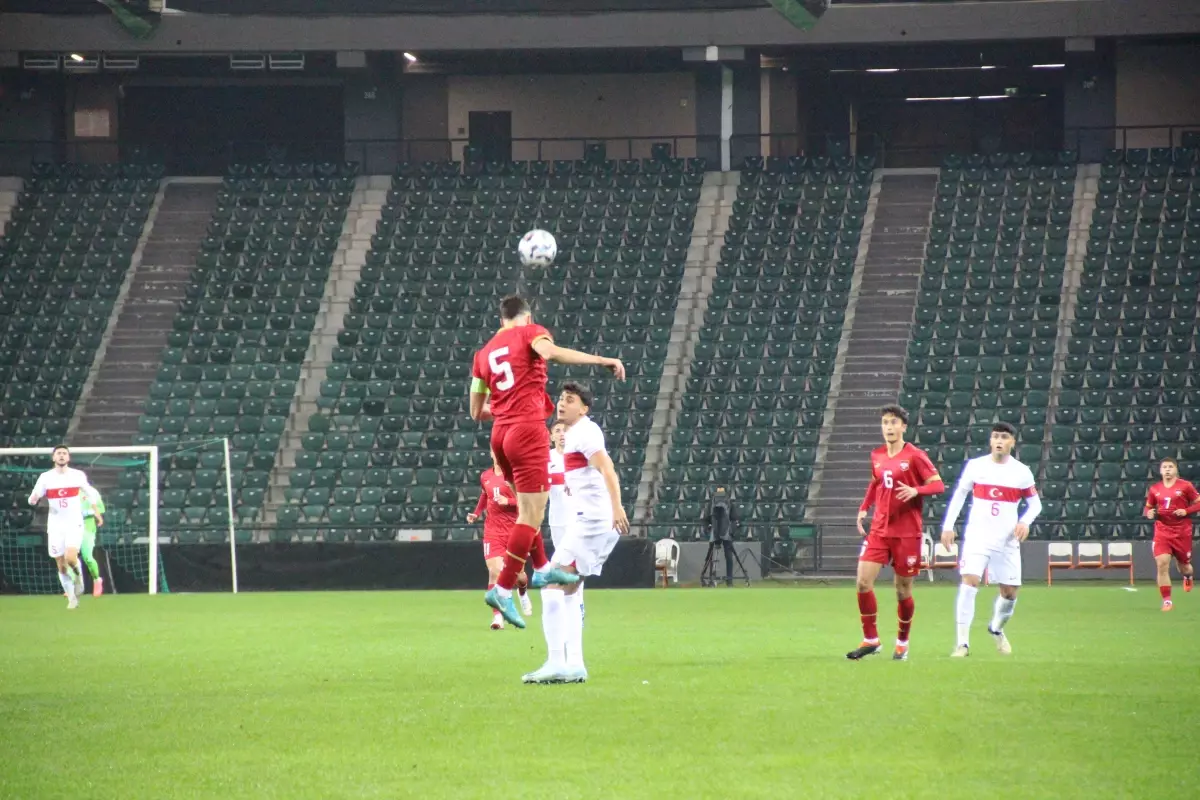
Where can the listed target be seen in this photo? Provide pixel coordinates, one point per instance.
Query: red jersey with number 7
(515, 375)
(1166, 502)
(895, 518)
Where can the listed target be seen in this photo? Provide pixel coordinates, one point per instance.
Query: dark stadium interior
(299, 248)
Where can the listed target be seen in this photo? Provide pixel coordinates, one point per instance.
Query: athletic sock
(68, 583)
(573, 630)
(537, 552)
(579, 594)
(554, 613)
(1165, 591)
(867, 610)
(904, 614)
(964, 612)
(1002, 612)
(521, 588)
(519, 541)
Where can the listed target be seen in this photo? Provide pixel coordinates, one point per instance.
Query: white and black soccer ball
(538, 248)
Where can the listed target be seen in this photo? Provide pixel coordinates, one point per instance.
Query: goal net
(127, 554)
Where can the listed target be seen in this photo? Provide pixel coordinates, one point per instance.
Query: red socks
(537, 552)
(1165, 591)
(519, 541)
(904, 610)
(867, 609)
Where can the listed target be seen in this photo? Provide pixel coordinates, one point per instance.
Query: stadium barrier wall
(315, 566)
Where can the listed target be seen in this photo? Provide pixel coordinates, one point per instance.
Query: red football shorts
(1179, 548)
(903, 554)
(521, 449)
(494, 547)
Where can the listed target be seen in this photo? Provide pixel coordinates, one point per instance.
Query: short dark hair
(1004, 427)
(60, 447)
(1170, 460)
(513, 306)
(895, 411)
(580, 391)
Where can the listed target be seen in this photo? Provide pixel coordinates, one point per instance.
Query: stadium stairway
(712, 220)
(131, 351)
(366, 203)
(871, 358)
(9, 189)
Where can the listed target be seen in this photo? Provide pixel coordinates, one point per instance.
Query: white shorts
(557, 534)
(1002, 563)
(587, 544)
(60, 539)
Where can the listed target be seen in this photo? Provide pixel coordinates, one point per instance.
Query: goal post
(128, 528)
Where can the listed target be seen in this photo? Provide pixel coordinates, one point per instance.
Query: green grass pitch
(694, 693)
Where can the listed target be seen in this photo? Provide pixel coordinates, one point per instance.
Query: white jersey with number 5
(589, 496)
(995, 490)
(64, 495)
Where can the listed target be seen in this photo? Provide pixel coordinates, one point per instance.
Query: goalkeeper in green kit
(93, 518)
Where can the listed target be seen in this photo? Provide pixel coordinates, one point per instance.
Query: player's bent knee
(1008, 592)
(971, 580)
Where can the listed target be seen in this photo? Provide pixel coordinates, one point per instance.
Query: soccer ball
(537, 249)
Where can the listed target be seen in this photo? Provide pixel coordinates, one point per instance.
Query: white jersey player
(997, 483)
(63, 488)
(595, 523)
(559, 509)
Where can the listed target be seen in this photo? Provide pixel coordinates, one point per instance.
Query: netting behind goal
(123, 548)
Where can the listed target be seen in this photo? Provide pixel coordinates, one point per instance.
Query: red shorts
(494, 547)
(904, 555)
(522, 449)
(1179, 548)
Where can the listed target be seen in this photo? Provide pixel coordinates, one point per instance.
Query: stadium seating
(63, 258)
(755, 398)
(986, 323)
(1129, 393)
(392, 442)
(240, 338)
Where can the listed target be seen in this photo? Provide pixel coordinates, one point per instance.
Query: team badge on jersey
(904, 465)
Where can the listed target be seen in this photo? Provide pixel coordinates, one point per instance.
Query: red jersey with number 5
(1166, 502)
(894, 518)
(515, 375)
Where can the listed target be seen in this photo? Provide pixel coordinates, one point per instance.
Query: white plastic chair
(666, 560)
(1059, 555)
(1120, 556)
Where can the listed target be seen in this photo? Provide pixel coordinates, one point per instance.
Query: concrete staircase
(130, 354)
(712, 220)
(1086, 187)
(366, 204)
(875, 344)
(9, 189)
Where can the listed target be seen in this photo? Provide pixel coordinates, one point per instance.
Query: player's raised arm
(548, 350)
(966, 484)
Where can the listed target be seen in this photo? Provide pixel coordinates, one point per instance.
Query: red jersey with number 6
(894, 518)
(515, 375)
(1165, 502)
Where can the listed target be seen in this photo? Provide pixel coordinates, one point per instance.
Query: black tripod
(708, 575)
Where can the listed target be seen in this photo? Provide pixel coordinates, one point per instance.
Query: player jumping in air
(595, 523)
(500, 504)
(992, 541)
(509, 386)
(558, 510)
(93, 518)
(63, 487)
(901, 477)
(1170, 503)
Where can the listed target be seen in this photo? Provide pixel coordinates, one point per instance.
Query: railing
(380, 156)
